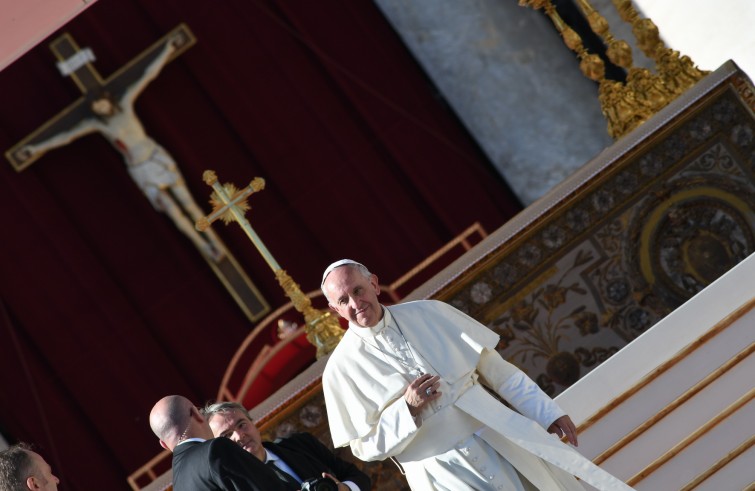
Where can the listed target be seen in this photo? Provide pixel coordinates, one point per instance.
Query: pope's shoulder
(345, 346)
(426, 305)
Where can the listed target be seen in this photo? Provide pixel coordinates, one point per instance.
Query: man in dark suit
(204, 463)
(301, 455)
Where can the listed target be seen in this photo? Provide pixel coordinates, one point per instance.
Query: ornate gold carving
(636, 279)
(627, 105)
(323, 330)
(745, 90)
(231, 190)
(229, 204)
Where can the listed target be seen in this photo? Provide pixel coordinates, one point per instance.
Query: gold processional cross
(229, 204)
(107, 107)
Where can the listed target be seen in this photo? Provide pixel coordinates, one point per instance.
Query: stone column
(511, 80)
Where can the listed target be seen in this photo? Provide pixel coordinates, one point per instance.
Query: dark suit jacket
(309, 458)
(219, 465)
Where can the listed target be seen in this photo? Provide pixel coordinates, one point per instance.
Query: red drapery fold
(107, 306)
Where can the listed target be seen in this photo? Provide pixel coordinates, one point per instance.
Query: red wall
(106, 306)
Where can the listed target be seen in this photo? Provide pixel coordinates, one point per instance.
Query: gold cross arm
(229, 204)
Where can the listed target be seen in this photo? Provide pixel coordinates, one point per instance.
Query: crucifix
(107, 107)
(229, 204)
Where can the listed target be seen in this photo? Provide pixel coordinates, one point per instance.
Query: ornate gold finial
(209, 177)
(229, 204)
(218, 203)
(677, 71)
(323, 329)
(618, 51)
(535, 4)
(626, 105)
(590, 64)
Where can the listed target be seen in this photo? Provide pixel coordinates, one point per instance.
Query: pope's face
(237, 426)
(354, 296)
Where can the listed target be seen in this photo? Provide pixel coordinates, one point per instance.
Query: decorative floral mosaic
(653, 230)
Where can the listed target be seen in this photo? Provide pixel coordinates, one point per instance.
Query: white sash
(528, 435)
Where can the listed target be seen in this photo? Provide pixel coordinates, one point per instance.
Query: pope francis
(413, 382)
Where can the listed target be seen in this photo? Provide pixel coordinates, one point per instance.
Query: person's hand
(422, 390)
(563, 426)
(341, 486)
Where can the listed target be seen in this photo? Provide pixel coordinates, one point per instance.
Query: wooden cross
(229, 204)
(76, 63)
(107, 107)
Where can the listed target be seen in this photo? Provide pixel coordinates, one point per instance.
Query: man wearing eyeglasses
(301, 456)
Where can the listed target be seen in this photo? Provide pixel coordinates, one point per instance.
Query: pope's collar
(371, 332)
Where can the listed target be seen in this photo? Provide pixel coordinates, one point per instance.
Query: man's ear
(197, 415)
(31, 482)
(162, 444)
(332, 307)
(375, 283)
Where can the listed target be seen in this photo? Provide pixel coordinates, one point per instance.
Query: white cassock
(466, 439)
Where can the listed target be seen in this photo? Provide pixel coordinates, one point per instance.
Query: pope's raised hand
(420, 391)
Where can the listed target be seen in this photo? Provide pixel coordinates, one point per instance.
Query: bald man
(201, 463)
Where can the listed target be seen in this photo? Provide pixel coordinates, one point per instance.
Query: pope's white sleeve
(517, 388)
(393, 432)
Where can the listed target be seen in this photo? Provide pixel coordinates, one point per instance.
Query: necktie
(283, 475)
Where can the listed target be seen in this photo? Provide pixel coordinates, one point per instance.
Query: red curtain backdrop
(106, 306)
